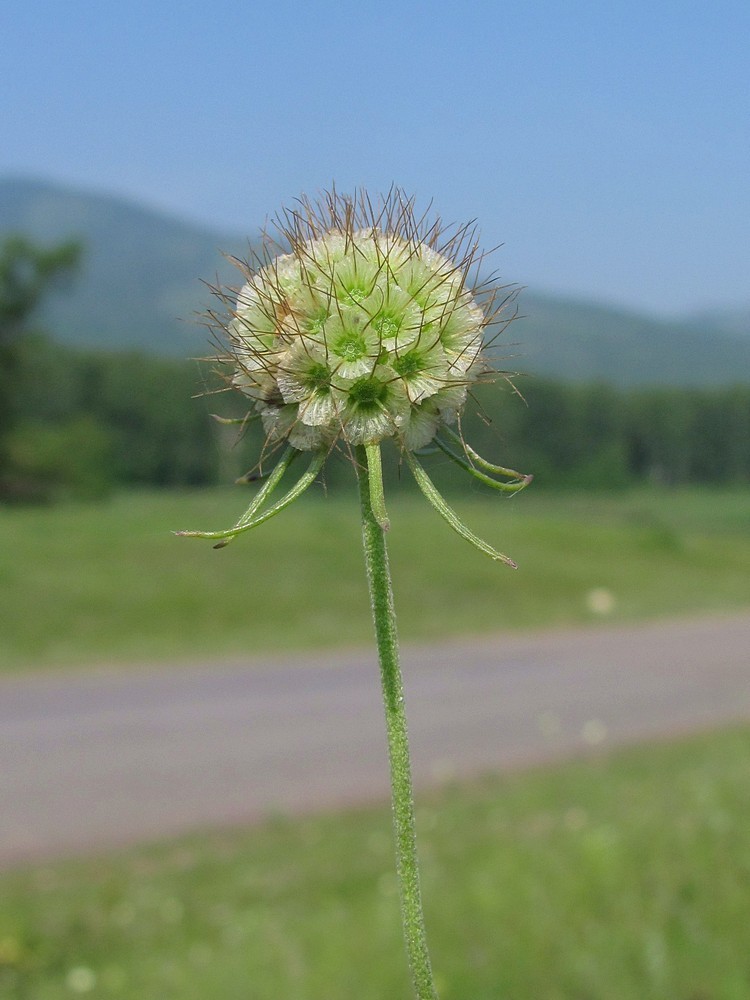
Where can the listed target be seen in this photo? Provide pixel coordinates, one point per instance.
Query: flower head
(367, 327)
(358, 322)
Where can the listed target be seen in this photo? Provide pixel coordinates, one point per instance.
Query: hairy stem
(407, 868)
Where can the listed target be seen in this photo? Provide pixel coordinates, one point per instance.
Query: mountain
(735, 322)
(582, 340)
(139, 283)
(139, 286)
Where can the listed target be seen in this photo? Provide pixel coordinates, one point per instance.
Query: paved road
(98, 759)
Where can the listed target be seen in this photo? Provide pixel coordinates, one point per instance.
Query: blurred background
(604, 150)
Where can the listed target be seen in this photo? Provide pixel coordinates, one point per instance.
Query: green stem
(377, 494)
(407, 868)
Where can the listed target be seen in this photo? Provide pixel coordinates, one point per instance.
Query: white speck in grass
(594, 732)
(80, 979)
(600, 601)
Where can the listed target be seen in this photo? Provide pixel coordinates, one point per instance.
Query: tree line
(81, 423)
(89, 422)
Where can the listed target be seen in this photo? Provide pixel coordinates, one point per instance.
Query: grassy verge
(109, 582)
(623, 877)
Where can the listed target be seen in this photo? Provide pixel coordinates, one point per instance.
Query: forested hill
(140, 286)
(570, 339)
(140, 280)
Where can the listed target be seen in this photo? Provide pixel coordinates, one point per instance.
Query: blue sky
(606, 145)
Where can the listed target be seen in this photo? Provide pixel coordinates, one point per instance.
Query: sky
(606, 146)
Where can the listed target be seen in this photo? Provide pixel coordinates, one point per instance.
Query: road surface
(97, 759)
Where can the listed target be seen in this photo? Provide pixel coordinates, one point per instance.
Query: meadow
(108, 582)
(625, 877)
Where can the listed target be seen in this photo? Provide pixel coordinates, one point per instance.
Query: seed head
(359, 322)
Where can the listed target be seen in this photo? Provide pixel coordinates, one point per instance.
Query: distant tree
(27, 273)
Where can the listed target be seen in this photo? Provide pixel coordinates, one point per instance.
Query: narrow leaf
(256, 503)
(431, 492)
(495, 484)
(483, 463)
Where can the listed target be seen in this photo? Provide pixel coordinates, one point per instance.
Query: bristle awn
(233, 421)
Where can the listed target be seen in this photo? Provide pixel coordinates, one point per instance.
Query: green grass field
(617, 878)
(106, 583)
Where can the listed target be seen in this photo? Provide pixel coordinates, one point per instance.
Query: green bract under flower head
(367, 328)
